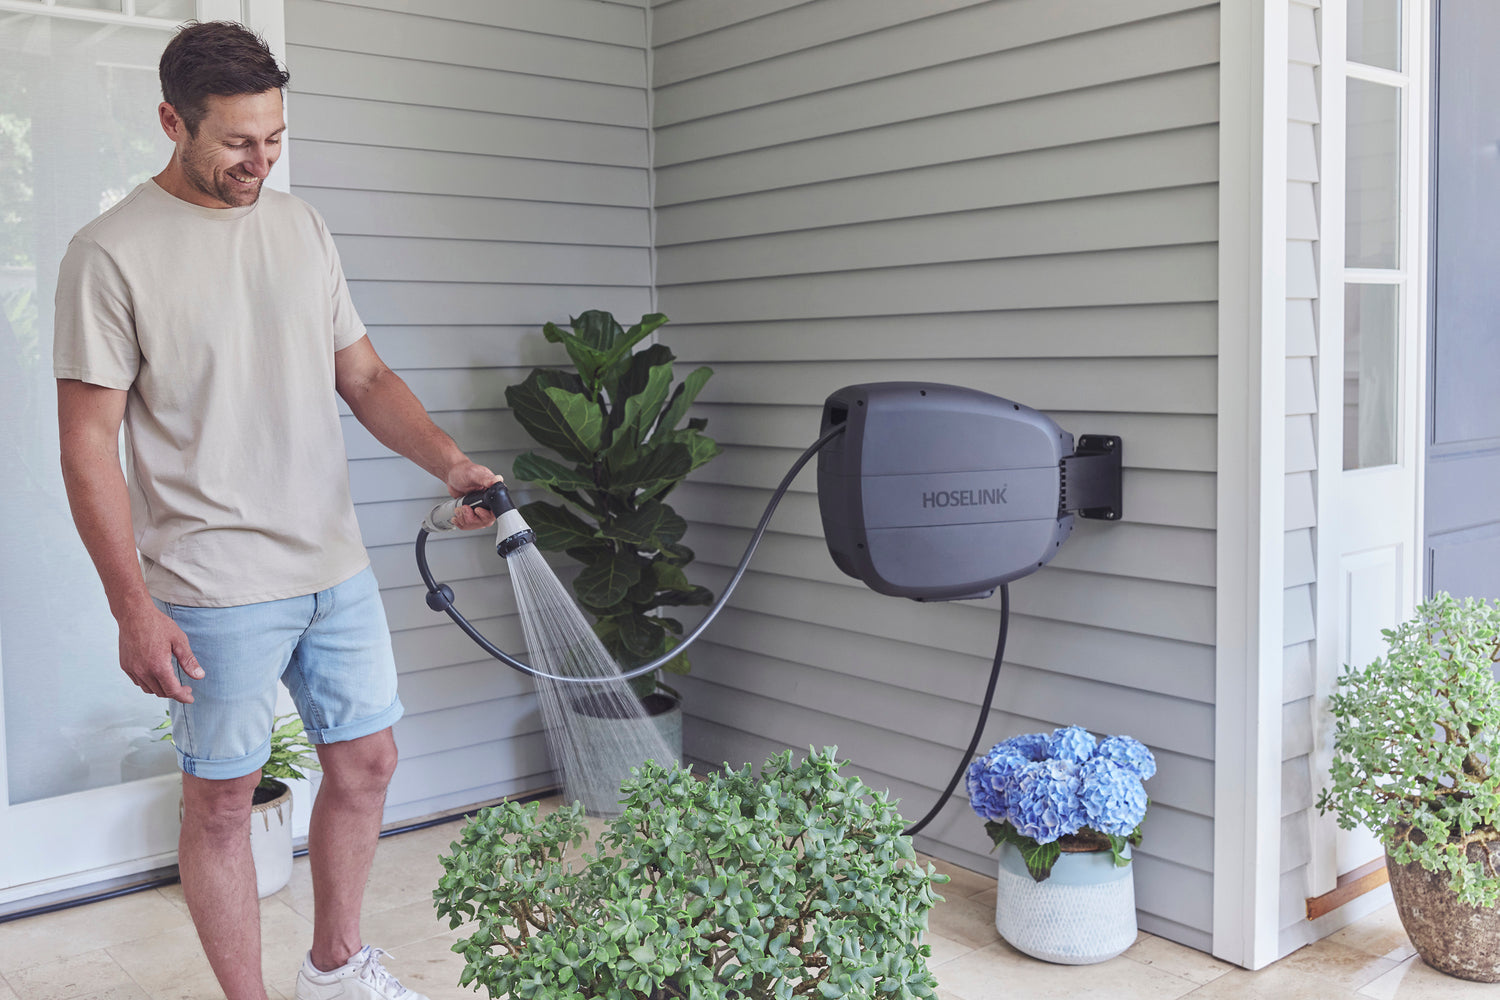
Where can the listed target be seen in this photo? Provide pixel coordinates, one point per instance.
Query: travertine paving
(142, 947)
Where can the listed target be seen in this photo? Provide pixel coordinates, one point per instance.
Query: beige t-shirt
(222, 325)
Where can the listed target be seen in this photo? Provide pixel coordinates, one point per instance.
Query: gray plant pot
(1452, 937)
(598, 786)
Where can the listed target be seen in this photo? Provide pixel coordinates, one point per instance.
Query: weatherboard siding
(483, 166)
(1014, 195)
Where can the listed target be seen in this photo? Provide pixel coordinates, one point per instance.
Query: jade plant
(1415, 741)
(795, 883)
(620, 426)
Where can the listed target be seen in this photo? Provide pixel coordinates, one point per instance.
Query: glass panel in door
(78, 130)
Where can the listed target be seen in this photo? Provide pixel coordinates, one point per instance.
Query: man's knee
(218, 807)
(363, 765)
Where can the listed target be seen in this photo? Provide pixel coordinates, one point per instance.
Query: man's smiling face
(238, 141)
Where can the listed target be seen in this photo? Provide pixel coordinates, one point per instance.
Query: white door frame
(65, 841)
(1333, 483)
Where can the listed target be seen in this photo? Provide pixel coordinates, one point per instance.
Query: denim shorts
(332, 649)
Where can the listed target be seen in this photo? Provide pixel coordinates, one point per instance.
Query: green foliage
(292, 756)
(798, 883)
(1414, 745)
(619, 421)
(1040, 858)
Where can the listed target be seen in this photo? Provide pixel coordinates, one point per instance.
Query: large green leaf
(649, 528)
(677, 554)
(670, 577)
(533, 468)
(645, 637)
(556, 414)
(697, 596)
(605, 582)
(598, 345)
(639, 411)
(659, 466)
(558, 529)
(637, 373)
(683, 398)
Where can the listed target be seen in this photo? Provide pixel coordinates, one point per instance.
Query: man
(212, 318)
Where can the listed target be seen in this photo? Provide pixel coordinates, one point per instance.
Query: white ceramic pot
(271, 842)
(1083, 913)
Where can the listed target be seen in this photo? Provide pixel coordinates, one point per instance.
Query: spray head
(514, 532)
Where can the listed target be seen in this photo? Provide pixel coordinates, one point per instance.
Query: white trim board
(1251, 481)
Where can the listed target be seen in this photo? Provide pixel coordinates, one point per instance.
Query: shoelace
(376, 975)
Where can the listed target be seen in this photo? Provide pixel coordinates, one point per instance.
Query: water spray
(926, 491)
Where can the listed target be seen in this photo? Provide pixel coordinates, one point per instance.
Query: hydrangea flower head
(1032, 746)
(1111, 796)
(990, 780)
(1045, 804)
(1072, 743)
(1128, 753)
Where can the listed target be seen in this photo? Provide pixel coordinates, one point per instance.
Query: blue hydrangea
(1128, 753)
(1032, 746)
(1072, 743)
(990, 780)
(1111, 796)
(1045, 804)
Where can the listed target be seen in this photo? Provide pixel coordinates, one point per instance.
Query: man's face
(237, 142)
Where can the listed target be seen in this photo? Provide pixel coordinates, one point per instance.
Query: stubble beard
(227, 191)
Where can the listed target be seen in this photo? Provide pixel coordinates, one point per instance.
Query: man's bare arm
(88, 418)
(384, 403)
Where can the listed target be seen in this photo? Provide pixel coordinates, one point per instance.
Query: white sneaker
(361, 978)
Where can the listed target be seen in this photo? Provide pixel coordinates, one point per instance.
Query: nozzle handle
(494, 498)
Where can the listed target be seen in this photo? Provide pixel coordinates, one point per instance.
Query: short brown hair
(219, 58)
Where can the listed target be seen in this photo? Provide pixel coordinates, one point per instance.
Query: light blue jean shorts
(332, 649)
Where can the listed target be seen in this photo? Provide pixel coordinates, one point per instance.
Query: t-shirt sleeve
(347, 327)
(94, 331)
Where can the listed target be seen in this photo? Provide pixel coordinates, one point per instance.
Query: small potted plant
(1064, 811)
(1415, 740)
(292, 756)
(620, 426)
(795, 883)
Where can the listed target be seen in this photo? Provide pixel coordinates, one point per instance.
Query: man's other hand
(148, 642)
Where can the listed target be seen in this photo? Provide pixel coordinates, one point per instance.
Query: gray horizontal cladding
(484, 169)
(1017, 196)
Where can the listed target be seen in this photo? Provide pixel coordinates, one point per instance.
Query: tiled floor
(142, 947)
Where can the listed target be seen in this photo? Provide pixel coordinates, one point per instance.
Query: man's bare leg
(341, 840)
(218, 879)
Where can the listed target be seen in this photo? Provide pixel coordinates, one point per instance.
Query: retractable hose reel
(926, 491)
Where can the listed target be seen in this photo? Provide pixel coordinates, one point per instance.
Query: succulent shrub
(619, 424)
(1414, 745)
(795, 883)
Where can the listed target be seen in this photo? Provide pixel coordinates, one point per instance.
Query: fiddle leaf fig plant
(796, 883)
(1415, 744)
(619, 425)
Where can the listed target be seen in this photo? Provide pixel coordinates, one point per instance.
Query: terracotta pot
(1452, 937)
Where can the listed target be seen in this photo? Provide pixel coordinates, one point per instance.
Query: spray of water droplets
(596, 731)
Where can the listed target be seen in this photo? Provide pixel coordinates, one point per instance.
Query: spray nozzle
(495, 498)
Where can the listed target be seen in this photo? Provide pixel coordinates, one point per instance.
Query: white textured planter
(271, 842)
(1083, 913)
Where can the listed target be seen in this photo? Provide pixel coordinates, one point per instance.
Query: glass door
(87, 791)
